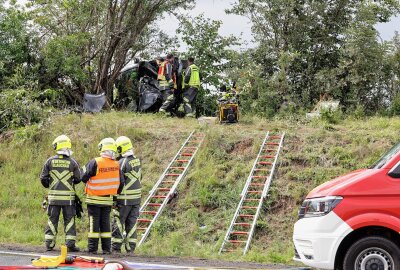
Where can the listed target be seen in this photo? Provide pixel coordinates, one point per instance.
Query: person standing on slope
(167, 81)
(128, 201)
(60, 174)
(103, 180)
(191, 88)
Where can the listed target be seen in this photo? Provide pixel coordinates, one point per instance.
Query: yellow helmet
(62, 142)
(123, 144)
(107, 144)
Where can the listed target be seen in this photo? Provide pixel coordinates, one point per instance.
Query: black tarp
(150, 98)
(93, 103)
(138, 87)
(142, 89)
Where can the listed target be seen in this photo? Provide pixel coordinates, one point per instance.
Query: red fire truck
(353, 221)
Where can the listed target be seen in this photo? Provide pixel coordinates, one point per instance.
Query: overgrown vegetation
(314, 50)
(195, 223)
(51, 53)
(308, 50)
(18, 109)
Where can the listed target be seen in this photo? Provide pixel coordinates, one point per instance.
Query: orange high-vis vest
(106, 181)
(161, 72)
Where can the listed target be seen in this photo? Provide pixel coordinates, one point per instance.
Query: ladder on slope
(166, 185)
(244, 221)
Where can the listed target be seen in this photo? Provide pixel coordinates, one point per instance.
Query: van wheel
(372, 253)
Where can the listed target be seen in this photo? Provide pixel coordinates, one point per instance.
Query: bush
(18, 109)
(395, 108)
(331, 116)
(359, 112)
(206, 103)
(50, 97)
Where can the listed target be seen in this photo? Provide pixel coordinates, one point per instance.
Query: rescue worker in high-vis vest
(60, 173)
(191, 87)
(167, 82)
(103, 180)
(128, 201)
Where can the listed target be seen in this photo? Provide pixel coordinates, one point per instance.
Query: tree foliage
(212, 51)
(310, 49)
(305, 50)
(96, 39)
(14, 41)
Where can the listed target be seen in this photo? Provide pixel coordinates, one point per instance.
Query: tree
(106, 35)
(310, 37)
(14, 41)
(213, 54)
(366, 71)
(396, 63)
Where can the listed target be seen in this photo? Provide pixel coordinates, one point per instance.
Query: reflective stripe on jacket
(99, 200)
(107, 178)
(59, 174)
(131, 193)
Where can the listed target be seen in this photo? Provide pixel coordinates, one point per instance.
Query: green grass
(195, 224)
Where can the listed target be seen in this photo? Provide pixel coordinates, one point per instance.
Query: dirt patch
(283, 205)
(242, 147)
(6, 136)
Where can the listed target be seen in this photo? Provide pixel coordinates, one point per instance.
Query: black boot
(130, 248)
(73, 249)
(93, 244)
(49, 246)
(116, 250)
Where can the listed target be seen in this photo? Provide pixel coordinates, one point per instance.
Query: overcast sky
(239, 25)
(215, 9)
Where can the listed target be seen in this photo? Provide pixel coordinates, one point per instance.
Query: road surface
(22, 255)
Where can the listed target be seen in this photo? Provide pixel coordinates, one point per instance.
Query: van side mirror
(395, 171)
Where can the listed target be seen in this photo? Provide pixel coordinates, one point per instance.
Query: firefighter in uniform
(103, 180)
(60, 173)
(167, 82)
(128, 201)
(191, 87)
(177, 69)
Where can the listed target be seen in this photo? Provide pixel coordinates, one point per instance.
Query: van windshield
(386, 157)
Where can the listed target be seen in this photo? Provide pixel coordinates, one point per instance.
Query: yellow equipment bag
(228, 113)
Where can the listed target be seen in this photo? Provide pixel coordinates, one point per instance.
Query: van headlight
(318, 207)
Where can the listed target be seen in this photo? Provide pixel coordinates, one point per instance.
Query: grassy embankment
(195, 224)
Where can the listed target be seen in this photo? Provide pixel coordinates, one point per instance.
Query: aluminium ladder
(166, 185)
(244, 221)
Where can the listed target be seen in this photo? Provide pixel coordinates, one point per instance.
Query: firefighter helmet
(62, 142)
(123, 144)
(107, 144)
